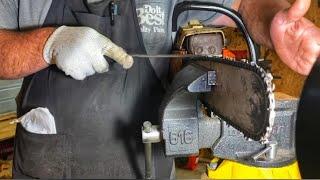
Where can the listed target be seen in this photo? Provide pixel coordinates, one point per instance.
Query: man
(98, 117)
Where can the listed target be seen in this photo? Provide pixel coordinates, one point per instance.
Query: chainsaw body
(222, 102)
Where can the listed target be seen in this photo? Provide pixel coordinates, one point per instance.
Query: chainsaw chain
(266, 77)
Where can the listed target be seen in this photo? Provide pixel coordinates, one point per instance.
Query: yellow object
(5, 169)
(233, 170)
(7, 130)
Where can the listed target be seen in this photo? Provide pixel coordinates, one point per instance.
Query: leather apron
(98, 119)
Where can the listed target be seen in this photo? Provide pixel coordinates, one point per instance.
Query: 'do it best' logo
(151, 19)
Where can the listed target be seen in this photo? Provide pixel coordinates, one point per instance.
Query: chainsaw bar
(243, 96)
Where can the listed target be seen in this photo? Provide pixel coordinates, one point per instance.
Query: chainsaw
(221, 102)
(233, 81)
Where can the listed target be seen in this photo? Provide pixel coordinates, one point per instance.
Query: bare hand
(295, 38)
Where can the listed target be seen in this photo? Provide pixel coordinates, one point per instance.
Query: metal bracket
(204, 83)
(270, 151)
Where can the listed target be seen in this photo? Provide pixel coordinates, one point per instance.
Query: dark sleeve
(9, 14)
(204, 17)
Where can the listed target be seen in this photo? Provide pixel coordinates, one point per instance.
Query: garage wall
(8, 92)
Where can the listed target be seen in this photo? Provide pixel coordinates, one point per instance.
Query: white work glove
(38, 121)
(78, 51)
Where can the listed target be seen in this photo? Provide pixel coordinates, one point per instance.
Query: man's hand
(79, 52)
(295, 38)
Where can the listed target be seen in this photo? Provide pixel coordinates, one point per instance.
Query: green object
(8, 92)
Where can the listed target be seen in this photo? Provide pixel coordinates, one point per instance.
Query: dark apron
(98, 119)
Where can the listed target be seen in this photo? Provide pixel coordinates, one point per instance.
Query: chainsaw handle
(205, 6)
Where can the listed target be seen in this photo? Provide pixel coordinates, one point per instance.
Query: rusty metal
(196, 28)
(206, 44)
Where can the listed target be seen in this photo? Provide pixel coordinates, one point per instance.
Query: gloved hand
(78, 51)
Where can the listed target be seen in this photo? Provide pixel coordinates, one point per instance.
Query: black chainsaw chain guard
(249, 110)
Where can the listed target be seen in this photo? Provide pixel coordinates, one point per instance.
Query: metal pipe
(148, 160)
(273, 151)
(270, 151)
(147, 128)
(259, 154)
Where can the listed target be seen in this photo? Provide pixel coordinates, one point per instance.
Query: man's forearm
(258, 15)
(21, 53)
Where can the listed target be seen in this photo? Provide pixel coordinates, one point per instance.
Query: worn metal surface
(206, 44)
(195, 28)
(233, 145)
(186, 129)
(209, 131)
(181, 119)
(180, 125)
(204, 83)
